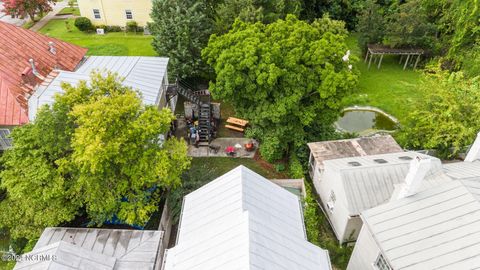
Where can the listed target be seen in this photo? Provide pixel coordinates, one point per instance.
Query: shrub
(113, 28)
(83, 24)
(295, 167)
(132, 26)
(280, 167)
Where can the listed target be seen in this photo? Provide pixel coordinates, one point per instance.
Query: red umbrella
(230, 149)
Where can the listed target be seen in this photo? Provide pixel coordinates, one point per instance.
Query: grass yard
(68, 10)
(389, 88)
(119, 44)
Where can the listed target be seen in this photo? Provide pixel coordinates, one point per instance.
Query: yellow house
(116, 12)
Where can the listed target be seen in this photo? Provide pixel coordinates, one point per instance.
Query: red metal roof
(17, 46)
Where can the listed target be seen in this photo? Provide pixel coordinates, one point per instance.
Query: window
(5, 140)
(96, 14)
(129, 14)
(381, 263)
(331, 201)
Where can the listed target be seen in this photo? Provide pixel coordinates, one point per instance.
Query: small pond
(362, 120)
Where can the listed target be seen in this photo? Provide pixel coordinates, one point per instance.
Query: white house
(351, 185)
(243, 221)
(425, 227)
(147, 75)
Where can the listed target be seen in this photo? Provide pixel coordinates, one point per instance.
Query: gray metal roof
(365, 146)
(372, 183)
(144, 74)
(463, 170)
(243, 221)
(127, 249)
(438, 228)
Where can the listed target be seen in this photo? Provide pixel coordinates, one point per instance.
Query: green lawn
(68, 10)
(389, 88)
(110, 44)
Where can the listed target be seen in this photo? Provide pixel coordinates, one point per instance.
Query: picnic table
(241, 124)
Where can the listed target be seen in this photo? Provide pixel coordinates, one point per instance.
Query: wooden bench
(240, 124)
(237, 121)
(235, 128)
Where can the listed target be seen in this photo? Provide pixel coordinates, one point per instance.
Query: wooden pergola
(377, 52)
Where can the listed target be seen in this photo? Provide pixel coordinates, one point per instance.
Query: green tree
(448, 117)
(266, 11)
(96, 148)
(371, 24)
(181, 30)
(410, 26)
(286, 78)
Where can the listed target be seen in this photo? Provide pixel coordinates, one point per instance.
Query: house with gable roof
(243, 221)
(354, 175)
(26, 60)
(34, 66)
(425, 228)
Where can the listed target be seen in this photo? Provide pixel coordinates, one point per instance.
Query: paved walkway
(222, 144)
(51, 15)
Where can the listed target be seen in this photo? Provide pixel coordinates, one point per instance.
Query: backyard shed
(243, 221)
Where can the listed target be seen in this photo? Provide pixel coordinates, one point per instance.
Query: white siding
(365, 252)
(338, 218)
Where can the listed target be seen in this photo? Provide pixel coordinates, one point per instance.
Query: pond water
(361, 120)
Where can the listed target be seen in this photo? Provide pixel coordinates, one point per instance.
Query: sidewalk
(57, 8)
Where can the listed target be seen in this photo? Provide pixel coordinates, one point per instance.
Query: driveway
(8, 19)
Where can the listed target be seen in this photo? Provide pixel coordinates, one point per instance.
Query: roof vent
(405, 158)
(51, 46)
(380, 161)
(354, 163)
(34, 69)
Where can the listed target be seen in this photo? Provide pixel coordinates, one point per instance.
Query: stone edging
(370, 108)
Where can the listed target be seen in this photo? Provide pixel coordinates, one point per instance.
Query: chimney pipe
(474, 152)
(52, 47)
(418, 169)
(34, 70)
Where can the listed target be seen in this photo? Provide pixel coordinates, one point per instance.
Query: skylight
(354, 163)
(380, 160)
(405, 158)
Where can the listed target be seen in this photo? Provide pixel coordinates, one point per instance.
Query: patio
(222, 144)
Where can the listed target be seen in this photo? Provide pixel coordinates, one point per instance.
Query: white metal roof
(144, 74)
(372, 183)
(127, 249)
(438, 228)
(463, 170)
(243, 221)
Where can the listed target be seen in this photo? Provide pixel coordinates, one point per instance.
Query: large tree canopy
(266, 11)
(287, 77)
(96, 149)
(181, 30)
(448, 117)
